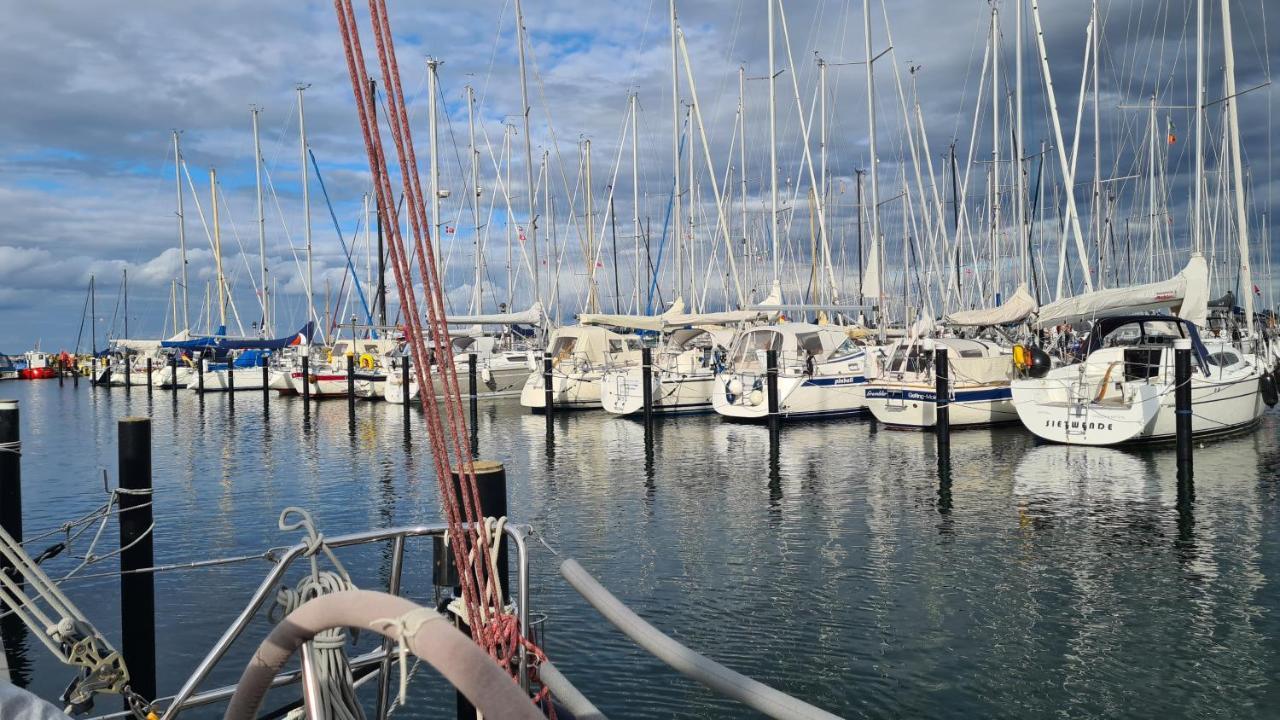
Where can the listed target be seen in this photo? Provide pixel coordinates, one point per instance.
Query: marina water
(1040, 581)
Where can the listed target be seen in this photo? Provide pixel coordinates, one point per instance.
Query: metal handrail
(516, 533)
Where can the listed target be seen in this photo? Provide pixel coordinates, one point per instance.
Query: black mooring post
(266, 386)
(771, 385)
(200, 375)
(231, 386)
(128, 372)
(173, 375)
(10, 472)
(351, 387)
(646, 384)
(137, 589)
(148, 377)
(491, 483)
(548, 395)
(1182, 404)
(404, 394)
(93, 371)
(474, 391)
(306, 385)
(75, 374)
(62, 371)
(942, 406)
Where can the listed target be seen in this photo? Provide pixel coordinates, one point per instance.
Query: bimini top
(1187, 292)
(1148, 335)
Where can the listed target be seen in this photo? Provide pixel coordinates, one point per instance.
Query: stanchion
(137, 589)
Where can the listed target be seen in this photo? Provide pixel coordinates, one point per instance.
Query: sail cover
(532, 316)
(1017, 308)
(674, 317)
(1187, 293)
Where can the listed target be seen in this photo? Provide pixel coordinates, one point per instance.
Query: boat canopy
(674, 317)
(1017, 308)
(225, 343)
(533, 316)
(1187, 293)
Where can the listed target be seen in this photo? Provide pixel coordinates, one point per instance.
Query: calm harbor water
(1043, 581)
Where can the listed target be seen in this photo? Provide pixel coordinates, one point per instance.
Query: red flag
(449, 230)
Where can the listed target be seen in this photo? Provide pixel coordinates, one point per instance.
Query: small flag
(1172, 137)
(521, 231)
(449, 230)
(599, 264)
(1257, 290)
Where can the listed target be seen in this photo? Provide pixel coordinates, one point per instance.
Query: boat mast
(1242, 217)
(126, 302)
(173, 303)
(182, 227)
(262, 225)
(742, 157)
(635, 197)
(995, 148)
(93, 314)
(377, 204)
(593, 299)
(217, 250)
(692, 246)
(306, 209)
(1098, 211)
(675, 152)
(1020, 189)
(528, 155)
(773, 167)
(1196, 231)
(822, 151)
(476, 297)
(875, 172)
(432, 80)
(1151, 191)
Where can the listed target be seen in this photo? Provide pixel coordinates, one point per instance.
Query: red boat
(38, 367)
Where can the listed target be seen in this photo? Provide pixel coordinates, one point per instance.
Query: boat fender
(486, 376)
(755, 398)
(733, 387)
(366, 361)
(1268, 387)
(1040, 362)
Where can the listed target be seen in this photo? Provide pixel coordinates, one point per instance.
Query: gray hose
(731, 684)
(430, 636)
(566, 694)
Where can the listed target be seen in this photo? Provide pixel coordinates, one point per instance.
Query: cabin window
(563, 347)
(615, 346)
(1223, 359)
(811, 343)
(463, 343)
(848, 347)
(753, 345)
(970, 353)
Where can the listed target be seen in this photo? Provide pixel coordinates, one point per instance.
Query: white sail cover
(674, 317)
(1017, 308)
(1187, 292)
(532, 316)
(148, 346)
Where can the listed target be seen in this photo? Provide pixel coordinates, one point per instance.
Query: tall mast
(93, 311)
(875, 173)
(306, 208)
(1196, 231)
(1098, 212)
(995, 147)
(742, 152)
(262, 225)
(217, 249)
(593, 299)
(1151, 190)
(476, 297)
(506, 154)
(182, 227)
(436, 238)
(822, 151)
(528, 155)
(382, 269)
(692, 247)
(635, 198)
(126, 302)
(1018, 152)
(1233, 119)
(773, 164)
(173, 303)
(675, 154)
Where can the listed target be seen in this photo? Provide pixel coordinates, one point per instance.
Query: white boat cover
(533, 316)
(1017, 308)
(1188, 292)
(148, 346)
(674, 317)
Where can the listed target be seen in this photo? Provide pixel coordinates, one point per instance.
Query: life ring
(366, 361)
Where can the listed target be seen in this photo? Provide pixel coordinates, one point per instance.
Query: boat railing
(187, 697)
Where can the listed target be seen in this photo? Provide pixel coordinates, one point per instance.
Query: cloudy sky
(93, 94)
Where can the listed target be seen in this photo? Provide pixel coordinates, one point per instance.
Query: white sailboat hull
(914, 405)
(745, 396)
(622, 391)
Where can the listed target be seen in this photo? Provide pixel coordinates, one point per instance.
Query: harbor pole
(306, 385)
(200, 375)
(548, 394)
(491, 483)
(475, 404)
(173, 375)
(93, 371)
(128, 372)
(942, 408)
(646, 383)
(148, 377)
(137, 588)
(1182, 404)
(62, 371)
(404, 394)
(351, 387)
(75, 376)
(771, 383)
(10, 472)
(266, 386)
(231, 387)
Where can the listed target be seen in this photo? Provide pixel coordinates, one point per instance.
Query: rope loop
(403, 628)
